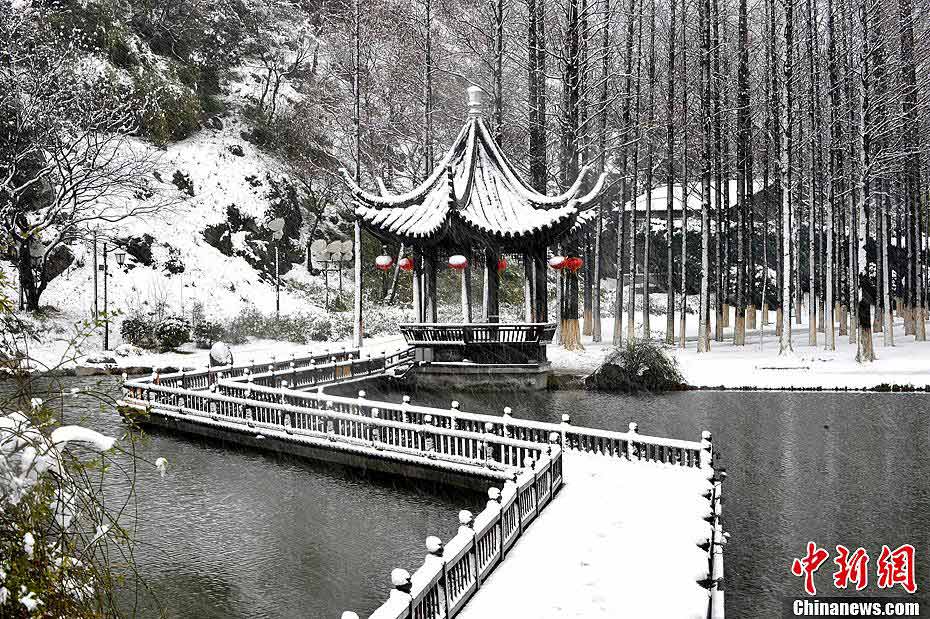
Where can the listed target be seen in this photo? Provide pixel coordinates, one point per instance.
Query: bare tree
(68, 163)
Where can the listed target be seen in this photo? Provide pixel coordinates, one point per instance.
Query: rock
(220, 354)
(236, 149)
(125, 350)
(100, 358)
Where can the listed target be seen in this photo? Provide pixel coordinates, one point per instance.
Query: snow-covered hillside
(200, 178)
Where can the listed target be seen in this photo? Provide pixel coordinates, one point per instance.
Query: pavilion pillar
(430, 310)
(540, 287)
(418, 284)
(466, 290)
(529, 282)
(492, 277)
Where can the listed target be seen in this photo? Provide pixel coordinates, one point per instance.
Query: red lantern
(557, 262)
(502, 265)
(384, 262)
(405, 264)
(458, 262)
(573, 263)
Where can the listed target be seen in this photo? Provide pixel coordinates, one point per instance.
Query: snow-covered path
(618, 541)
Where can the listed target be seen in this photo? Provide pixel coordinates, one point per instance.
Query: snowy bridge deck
(618, 542)
(633, 531)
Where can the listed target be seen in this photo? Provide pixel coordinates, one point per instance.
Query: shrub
(206, 332)
(172, 331)
(640, 365)
(139, 331)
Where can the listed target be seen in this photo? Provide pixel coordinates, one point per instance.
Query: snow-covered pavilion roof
(475, 195)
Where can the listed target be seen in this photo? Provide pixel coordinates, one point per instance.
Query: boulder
(125, 350)
(100, 358)
(220, 354)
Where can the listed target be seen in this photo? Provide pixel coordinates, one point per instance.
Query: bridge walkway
(619, 542)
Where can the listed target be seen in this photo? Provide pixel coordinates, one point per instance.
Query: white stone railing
(203, 378)
(628, 445)
(453, 572)
(525, 455)
(329, 371)
(425, 443)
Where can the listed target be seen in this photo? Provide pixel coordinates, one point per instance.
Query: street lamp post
(277, 228)
(332, 254)
(120, 260)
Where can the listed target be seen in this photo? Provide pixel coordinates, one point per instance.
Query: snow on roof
(660, 196)
(476, 188)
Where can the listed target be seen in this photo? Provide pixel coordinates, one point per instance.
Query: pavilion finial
(475, 101)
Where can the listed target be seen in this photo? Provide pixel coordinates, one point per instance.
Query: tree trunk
(703, 318)
(786, 104)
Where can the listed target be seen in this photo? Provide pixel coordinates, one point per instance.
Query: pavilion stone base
(464, 376)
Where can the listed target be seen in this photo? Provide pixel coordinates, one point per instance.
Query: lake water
(834, 468)
(232, 533)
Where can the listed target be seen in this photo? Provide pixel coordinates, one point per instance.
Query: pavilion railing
(418, 334)
(452, 573)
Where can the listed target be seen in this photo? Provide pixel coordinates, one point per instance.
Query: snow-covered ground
(756, 364)
(635, 555)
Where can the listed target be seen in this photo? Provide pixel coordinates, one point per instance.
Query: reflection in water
(240, 533)
(836, 468)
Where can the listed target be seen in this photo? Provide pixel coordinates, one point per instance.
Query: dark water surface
(232, 533)
(834, 468)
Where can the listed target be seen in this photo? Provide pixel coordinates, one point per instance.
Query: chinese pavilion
(474, 204)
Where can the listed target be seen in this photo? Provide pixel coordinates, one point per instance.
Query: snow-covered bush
(139, 331)
(206, 332)
(59, 538)
(172, 331)
(386, 319)
(640, 365)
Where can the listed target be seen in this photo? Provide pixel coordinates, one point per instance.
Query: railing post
(467, 524)
(426, 438)
(405, 417)
(494, 496)
(374, 430)
(566, 421)
(530, 463)
(505, 423)
(183, 379)
(630, 449)
(486, 445)
(435, 548)
(400, 578)
(330, 425)
(707, 450)
(361, 401)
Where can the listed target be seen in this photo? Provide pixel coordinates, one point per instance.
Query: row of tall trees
(786, 141)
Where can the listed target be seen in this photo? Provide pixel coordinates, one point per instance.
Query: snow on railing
(478, 332)
(452, 573)
(628, 445)
(329, 371)
(383, 436)
(713, 539)
(203, 378)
